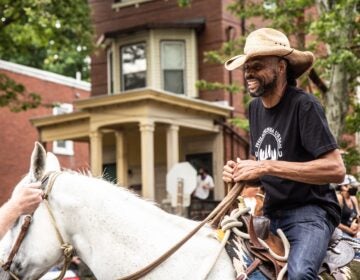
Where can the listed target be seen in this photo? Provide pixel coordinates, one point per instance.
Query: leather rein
(47, 183)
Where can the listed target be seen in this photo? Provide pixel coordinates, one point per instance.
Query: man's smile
(253, 84)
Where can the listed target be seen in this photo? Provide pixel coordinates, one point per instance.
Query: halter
(47, 183)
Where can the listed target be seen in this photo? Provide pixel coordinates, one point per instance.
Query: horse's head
(39, 250)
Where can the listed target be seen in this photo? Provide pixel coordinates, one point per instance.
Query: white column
(147, 160)
(96, 153)
(218, 164)
(121, 159)
(172, 146)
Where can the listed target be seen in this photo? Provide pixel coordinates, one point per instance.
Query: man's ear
(282, 66)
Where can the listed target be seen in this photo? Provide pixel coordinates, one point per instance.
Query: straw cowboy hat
(271, 42)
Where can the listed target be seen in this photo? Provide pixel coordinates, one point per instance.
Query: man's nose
(248, 74)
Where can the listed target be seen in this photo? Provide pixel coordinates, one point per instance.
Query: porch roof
(135, 106)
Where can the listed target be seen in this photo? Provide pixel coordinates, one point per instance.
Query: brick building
(17, 135)
(145, 113)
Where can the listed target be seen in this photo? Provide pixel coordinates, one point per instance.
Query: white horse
(112, 230)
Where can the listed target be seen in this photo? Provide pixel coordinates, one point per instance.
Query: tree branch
(314, 77)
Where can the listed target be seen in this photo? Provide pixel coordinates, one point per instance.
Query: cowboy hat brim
(299, 61)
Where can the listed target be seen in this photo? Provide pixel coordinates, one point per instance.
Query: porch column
(121, 159)
(96, 152)
(218, 164)
(172, 146)
(147, 160)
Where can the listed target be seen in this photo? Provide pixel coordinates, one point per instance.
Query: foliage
(351, 158)
(241, 123)
(184, 3)
(14, 95)
(204, 85)
(338, 27)
(287, 15)
(46, 34)
(353, 120)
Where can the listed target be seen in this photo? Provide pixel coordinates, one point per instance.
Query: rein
(24, 229)
(47, 181)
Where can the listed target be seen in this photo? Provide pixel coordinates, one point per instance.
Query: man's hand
(243, 170)
(228, 171)
(248, 170)
(26, 199)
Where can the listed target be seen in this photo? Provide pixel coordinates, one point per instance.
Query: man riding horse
(294, 154)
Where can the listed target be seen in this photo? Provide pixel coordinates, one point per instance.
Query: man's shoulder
(302, 98)
(300, 94)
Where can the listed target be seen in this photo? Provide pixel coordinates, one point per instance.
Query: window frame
(183, 43)
(122, 82)
(68, 150)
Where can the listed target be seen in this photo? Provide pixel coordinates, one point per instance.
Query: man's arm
(328, 168)
(24, 201)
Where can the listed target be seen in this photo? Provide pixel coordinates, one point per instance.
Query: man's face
(261, 75)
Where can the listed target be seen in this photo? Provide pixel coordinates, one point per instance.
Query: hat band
(290, 52)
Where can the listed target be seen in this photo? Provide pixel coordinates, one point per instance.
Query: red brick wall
(17, 135)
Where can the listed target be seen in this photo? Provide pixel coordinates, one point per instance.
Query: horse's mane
(107, 190)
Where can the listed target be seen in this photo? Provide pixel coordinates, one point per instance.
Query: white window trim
(68, 150)
(152, 40)
(126, 3)
(183, 43)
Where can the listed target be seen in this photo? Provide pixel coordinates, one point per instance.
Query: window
(133, 66)
(63, 147)
(173, 66)
(110, 72)
(124, 3)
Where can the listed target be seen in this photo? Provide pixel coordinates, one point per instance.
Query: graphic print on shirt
(269, 145)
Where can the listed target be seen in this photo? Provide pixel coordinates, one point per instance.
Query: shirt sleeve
(315, 133)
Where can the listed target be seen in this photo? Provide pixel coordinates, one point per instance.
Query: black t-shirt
(294, 130)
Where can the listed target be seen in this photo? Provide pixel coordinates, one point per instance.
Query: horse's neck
(102, 218)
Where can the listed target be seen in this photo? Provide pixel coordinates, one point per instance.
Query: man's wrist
(265, 167)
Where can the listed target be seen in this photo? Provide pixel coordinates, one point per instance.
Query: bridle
(47, 183)
(24, 229)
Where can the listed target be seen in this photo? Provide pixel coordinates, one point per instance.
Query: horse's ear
(37, 162)
(52, 162)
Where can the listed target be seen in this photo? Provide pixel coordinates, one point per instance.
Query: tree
(46, 34)
(338, 27)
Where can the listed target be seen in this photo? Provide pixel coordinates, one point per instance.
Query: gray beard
(264, 88)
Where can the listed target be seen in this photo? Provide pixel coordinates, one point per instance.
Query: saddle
(339, 254)
(259, 227)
